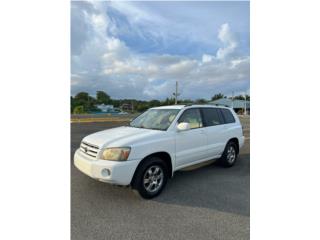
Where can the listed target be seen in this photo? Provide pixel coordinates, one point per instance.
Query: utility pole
(88, 102)
(232, 99)
(176, 94)
(131, 106)
(245, 104)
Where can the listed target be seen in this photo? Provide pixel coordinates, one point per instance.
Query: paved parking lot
(204, 203)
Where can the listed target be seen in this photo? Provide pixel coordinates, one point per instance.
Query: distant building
(126, 107)
(238, 105)
(105, 108)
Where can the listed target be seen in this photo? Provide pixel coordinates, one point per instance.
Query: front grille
(89, 149)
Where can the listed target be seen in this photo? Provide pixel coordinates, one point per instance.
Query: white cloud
(104, 62)
(227, 38)
(181, 68)
(210, 71)
(229, 42)
(75, 79)
(154, 91)
(116, 50)
(206, 58)
(135, 14)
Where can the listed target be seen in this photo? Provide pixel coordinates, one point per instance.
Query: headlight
(116, 154)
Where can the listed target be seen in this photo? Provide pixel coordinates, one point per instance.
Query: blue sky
(139, 49)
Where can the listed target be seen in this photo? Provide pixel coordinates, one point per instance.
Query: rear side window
(227, 115)
(193, 117)
(211, 116)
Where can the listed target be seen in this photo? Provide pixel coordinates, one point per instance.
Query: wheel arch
(236, 141)
(163, 155)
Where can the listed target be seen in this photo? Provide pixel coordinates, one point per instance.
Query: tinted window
(227, 115)
(193, 117)
(211, 116)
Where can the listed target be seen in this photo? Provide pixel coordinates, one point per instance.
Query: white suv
(159, 142)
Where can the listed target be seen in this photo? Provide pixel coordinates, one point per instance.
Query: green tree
(142, 107)
(78, 110)
(186, 101)
(217, 96)
(239, 97)
(168, 101)
(154, 103)
(201, 101)
(81, 96)
(88, 102)
(103, 97)
(72, 104)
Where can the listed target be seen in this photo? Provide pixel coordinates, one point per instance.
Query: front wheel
(150, 178)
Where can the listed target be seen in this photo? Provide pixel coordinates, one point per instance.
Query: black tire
(141, 174)
(230, 150)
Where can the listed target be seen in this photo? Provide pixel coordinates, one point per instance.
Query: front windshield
(158, 119)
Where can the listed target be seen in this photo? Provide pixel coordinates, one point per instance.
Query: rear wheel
(229, 155)
(150, 178)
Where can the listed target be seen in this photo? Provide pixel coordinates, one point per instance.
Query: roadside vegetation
(83, 103)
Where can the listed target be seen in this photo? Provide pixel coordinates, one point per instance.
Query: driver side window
(193, 117)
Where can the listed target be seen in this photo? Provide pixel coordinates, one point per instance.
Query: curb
(92, 120)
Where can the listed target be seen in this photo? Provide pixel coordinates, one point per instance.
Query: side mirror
(183, 126)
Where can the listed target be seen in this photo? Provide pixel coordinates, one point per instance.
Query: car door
(191, 145)
(230, 126)
(215, 128)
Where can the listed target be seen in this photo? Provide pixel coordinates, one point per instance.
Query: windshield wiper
(138, 126)
(143, 127)
(134, 126)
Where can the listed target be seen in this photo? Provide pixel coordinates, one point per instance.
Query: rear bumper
(119, 173)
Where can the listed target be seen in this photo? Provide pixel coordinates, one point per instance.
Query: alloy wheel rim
(153, 179)
(231, 154)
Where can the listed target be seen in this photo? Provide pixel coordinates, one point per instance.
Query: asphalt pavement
(209, 202)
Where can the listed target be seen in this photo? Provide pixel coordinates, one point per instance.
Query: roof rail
(196, 104)
(188, 104)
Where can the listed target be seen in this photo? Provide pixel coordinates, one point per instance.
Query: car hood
(120, 136)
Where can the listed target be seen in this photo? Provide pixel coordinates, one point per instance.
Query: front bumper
(115, 172)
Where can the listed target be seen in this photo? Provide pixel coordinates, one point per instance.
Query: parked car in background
(159, 142)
